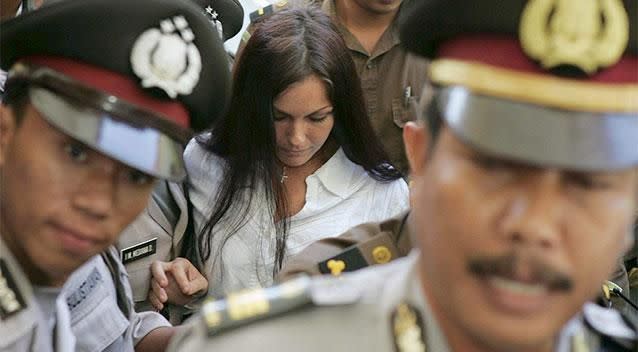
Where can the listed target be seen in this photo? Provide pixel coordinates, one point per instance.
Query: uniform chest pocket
(96, 319)
(403, 110)
(147, 239)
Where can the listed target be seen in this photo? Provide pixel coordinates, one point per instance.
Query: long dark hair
(285, 48)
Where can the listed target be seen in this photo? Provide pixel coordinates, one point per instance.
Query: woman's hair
(285, 48)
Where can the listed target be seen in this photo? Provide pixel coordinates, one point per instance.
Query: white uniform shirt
(340, 195)
(96, 318)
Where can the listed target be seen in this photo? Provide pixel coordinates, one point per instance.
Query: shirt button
(369, 65)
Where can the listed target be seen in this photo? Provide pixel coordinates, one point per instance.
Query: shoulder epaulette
(379, 249)
(247, 306)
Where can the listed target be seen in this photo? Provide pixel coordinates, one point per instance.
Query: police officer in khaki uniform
(521, 199)
(391, 77)
(100, 101)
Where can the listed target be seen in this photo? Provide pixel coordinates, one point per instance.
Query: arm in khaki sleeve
(306, 261)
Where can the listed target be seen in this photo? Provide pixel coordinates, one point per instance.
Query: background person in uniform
(307, 164)
(86, 126)
(521, 199)
(392, 79)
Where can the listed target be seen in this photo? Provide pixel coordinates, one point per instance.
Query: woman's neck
(293, 179)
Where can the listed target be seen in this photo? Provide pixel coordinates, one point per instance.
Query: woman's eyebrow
(310, 114)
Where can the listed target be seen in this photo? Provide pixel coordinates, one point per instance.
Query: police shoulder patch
(11, 300)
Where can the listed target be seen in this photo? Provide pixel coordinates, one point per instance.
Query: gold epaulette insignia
(247, 306)
(381, 254)
(336, 266)
(588, 34)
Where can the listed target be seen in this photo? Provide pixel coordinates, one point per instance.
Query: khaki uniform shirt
(392, 80)
(100, 300)
(23, 325)
(381, 308)
(358, 247)
(155, 235)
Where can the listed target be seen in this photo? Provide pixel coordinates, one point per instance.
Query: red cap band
(505, 52)
(115, 84)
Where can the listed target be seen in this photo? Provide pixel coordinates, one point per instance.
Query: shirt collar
(339, 174)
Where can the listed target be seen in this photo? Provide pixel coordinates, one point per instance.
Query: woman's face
(303, 120)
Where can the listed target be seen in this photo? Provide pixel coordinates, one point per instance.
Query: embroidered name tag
(139, 251)
(82, 292)
(11, 301)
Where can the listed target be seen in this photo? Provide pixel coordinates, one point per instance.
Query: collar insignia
(11, 301)
(588, 34)
(407, 329)
(167, 58)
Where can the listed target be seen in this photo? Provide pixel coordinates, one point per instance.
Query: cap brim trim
(140, 147)
(538, 135)
(544, 90)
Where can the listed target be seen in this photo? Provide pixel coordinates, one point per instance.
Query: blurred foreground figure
(523, 195)
(96, 107)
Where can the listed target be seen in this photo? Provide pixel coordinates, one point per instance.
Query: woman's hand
(177, 282)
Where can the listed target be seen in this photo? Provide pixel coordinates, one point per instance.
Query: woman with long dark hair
(293, 161)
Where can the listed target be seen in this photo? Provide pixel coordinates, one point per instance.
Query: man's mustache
(506, 266)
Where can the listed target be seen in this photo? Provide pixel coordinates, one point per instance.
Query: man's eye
(76, 152)
(589, 181)
(489, 163)
(139, 178)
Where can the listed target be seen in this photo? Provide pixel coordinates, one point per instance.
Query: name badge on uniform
(139, 251)
(11, 301)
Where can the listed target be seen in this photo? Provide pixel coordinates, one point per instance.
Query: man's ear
(7, 130)
(416, 140)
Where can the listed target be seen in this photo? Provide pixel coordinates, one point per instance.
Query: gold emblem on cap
(381, 254)
(588, 34)
(408, 333)
(336, 266)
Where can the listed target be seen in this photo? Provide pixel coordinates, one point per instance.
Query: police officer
(522, 196)
(161, 235)
(100, 101)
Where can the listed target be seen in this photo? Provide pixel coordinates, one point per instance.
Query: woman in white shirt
(293, 161)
